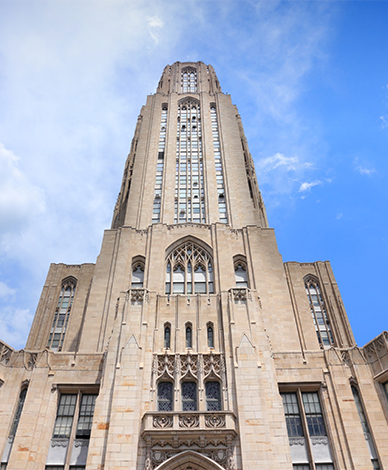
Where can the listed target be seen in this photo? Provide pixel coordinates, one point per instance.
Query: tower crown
(189, 160)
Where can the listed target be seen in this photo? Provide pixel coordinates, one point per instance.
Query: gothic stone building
(189, 344)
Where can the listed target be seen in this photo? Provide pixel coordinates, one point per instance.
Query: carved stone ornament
(189, 363)
(297, 441)
(138, 295)
(81, 442)
(189, 421)
(239, 294)
(166, 364)
(5, 353)
(215, 421)
(59, 442)
(212, 363)
(162, 421)
(32, 360)
(320, 440)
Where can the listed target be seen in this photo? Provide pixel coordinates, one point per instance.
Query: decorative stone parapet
(208, 421)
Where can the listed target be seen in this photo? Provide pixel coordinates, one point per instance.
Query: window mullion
(73, 432)
(305, 429)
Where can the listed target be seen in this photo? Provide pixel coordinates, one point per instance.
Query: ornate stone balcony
(189, 422)
(167, 434)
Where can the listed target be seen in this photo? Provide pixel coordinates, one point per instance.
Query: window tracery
(189, 80)
(189, 182)
(137, 274)
(189, 396)
(240, 272)
(165, 396)
(62, 314)
(318, 312)
(189, 270)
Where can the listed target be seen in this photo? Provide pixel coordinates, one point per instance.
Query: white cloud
(6, 291)
(14, 325)
(307, 186)
(384, 121)
(362, 169)
(20, 200)
(278, 160)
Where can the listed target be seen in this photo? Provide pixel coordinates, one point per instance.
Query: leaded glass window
(65, 415)
(223, 216)
(292, 414)
(189, 269)
(62, 315)
(189, 80)
(318, 312)
(160, 168)
(189, 396)
(189, 176)
(85, 418)
(213, 396)
(304, 417)
(314, 416)
(165, 396)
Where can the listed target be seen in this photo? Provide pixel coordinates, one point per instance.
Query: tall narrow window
(160, 168)
(137, 276)
(12, 432)
(304, 407)
(219, 169)
(189, 396)
(189, 337)
(241, 275)
(318, 312)
(189, 80)
(74, 410)
(165, 396)
(210, 336)
(365, 428)
(213, 396)
(167, 337)
(189, 183)
(62, 314)
(189, 267)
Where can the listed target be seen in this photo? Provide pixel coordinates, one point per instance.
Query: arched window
(189, 269)
(189, 337)
(167, 336)
(365, 428)
(62, 314)
(137, 276)
(213, 396)
(189, 396)
(210, 335)
(240, 273)
(318, 312)
(165, 396)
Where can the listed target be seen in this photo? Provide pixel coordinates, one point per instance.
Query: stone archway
(189, 460)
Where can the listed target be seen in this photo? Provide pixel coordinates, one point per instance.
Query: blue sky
(310, 79)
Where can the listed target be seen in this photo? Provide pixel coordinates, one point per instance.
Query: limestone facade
(189, 344)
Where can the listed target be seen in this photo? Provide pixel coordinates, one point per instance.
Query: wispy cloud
(307, 186)
(6, 291)
(363, 170)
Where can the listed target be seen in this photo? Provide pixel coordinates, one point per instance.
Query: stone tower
(190, 344)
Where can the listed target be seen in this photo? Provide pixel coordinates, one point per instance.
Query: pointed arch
(183, 460)
(189, 267)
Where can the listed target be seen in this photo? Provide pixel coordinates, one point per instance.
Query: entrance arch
(189, 460)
